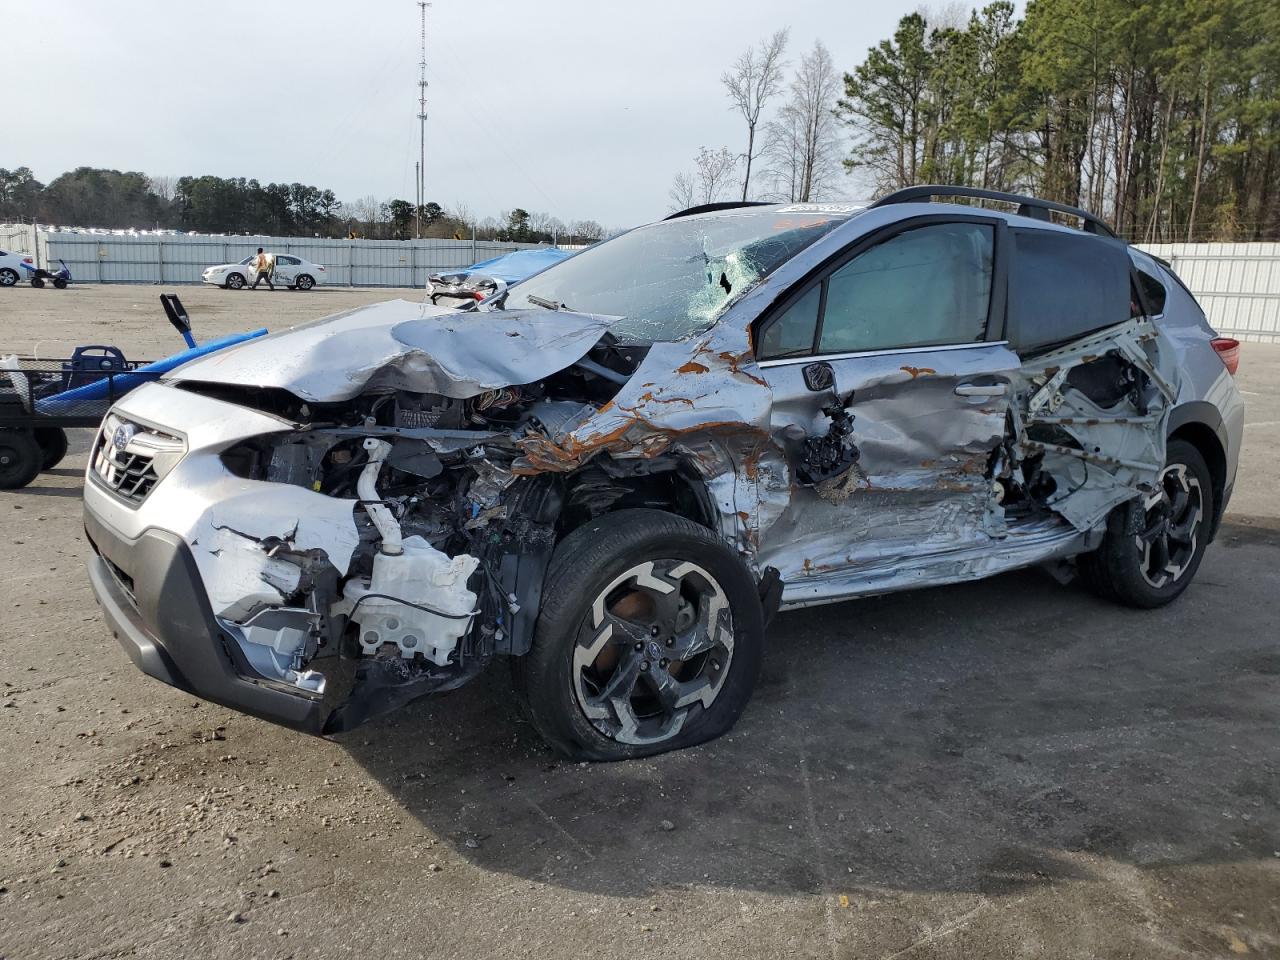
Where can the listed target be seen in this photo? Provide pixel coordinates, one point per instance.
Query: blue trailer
(41, 399)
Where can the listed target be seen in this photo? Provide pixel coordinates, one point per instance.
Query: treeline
(112, 199)
(1162, 116)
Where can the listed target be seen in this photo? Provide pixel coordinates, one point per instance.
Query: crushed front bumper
(156, 606)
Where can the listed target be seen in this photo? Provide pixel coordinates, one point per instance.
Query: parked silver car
(617, 471)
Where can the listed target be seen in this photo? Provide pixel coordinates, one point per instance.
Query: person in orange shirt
(264, 263)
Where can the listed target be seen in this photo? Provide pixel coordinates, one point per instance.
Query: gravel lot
(1006, 769)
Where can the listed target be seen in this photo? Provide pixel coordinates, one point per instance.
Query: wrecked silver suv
(615, 472)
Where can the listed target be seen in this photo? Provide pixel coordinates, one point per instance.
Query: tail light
(1229, 350)
(320, 268)
(27, 260)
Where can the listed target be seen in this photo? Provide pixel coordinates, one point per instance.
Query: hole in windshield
(671, 279)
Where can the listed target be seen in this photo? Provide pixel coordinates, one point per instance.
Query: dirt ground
(1004, 769)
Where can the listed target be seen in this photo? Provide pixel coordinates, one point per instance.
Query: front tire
(649, 638)
(235, 281)
(37, 282)
(8, 277)
(1154, 544)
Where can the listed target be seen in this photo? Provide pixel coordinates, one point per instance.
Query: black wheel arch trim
(1203, 415)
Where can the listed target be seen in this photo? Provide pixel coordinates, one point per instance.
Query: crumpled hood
(405, 346)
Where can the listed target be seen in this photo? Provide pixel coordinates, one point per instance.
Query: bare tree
(163, 187)
(715, 169)
(802, 141)
(586, 231)
(460, 210)
(681, 192)
(754, 79)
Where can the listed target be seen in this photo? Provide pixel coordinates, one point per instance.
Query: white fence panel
(1237, 284)
(107, 258)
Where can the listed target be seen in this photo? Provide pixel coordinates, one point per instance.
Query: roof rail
(712, 207)
(1027, 206)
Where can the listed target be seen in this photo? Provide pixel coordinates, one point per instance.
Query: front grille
(126, 456)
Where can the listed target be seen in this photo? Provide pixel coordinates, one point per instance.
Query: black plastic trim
(713, 207)
(1031, 207)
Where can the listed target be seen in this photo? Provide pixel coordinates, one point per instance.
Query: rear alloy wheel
(8, 277)
(1172, 520)
(20, 458)
(649, 638)
(235, 281)
(305, 282)
(1154, 545)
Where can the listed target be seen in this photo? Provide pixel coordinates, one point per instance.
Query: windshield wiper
(545, 302)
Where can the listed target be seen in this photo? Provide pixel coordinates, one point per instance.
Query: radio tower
(422, 125)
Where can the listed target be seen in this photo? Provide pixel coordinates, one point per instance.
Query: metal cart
(41, 399)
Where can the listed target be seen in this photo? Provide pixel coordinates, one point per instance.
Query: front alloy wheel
(649, 638)
(658, 640)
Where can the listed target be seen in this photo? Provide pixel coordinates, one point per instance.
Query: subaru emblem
(124, 433)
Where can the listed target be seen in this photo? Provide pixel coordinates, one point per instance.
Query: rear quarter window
(1153, 292)
(1065, 285)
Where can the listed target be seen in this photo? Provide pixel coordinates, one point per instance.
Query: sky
(584, 109)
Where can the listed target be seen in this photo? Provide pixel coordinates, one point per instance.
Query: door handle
(981, 389)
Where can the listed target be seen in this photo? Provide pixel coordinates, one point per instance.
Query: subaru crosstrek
(617, 471)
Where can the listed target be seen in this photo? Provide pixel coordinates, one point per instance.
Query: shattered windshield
(671, 279)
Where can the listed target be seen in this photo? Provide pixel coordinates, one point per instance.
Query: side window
(925, 286)
(1063, 285)
(791, 335)
(1152, 292)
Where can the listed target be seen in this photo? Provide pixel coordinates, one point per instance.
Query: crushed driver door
(890, 397)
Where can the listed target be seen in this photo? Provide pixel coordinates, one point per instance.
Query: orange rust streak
(919, 371)
(693, 366)
(650, 398)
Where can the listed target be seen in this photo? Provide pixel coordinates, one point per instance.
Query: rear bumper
(159, 612)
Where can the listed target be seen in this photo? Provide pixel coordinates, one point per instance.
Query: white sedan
(11, 267)
(290, 271)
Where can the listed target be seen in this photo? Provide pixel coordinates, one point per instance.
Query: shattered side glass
(671, 279)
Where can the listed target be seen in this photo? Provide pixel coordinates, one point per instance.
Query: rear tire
(53, 446)
(305, 282)
(8, 277)
(60, 284)
(649, 638)
(235, 281)
(20, 458)
(37, 282)
(1153, 545)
